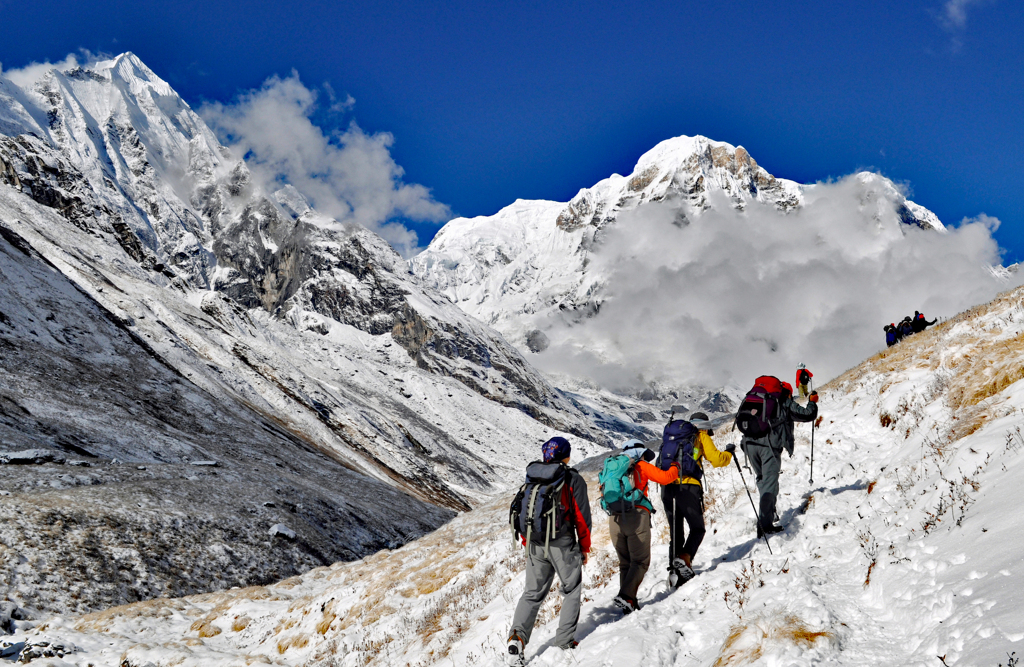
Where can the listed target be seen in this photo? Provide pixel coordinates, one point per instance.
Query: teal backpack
(618, 495)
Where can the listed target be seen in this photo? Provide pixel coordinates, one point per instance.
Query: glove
(731, 448)
(711, 432)
(813, 398)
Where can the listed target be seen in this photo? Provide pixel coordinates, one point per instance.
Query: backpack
(537, 512)
(760, 407)
(804, 377)
(906, 328)
(890, 337)
(677, 447)
(618, 493)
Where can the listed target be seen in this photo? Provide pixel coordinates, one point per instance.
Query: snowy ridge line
(901, 552)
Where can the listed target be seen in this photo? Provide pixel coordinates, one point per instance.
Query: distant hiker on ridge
(892, 334)
(920, 323)
(765, 417)
(906, 327)
(686, 443)
(624, 480)
(551, 515)
(803, 380)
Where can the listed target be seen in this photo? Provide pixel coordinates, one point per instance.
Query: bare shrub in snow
(751, 576)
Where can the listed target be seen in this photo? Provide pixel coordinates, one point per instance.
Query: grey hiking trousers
(567, 561)
(767, 464)
(631, 537)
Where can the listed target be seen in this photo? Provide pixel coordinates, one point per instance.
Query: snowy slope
(171, 216)
(280, 333)
(530, 261)
(904, 550)
(119, 154)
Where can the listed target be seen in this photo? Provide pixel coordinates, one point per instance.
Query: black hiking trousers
(688, 510)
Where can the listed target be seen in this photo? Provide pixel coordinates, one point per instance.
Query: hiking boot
(516, 650)
(571, 646)
(627, 605)
(679, 573)
(769, 530)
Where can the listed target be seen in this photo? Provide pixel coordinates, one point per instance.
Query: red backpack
(760, 407)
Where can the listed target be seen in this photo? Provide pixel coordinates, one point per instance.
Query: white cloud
(349, 176)
(25, 77)
(734, 295)
(954, 13)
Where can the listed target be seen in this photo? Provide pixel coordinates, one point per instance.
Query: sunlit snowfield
(903, 551)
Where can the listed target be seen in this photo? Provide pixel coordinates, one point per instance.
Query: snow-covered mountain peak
(530, 264)
(115, 191)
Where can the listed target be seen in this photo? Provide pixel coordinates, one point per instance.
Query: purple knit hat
(555, 449)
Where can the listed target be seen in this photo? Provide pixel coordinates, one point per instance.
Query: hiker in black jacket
(765, 455)
(564, 554)
(920, 323)
(906, 327)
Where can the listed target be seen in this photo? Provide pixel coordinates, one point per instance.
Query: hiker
(557, 540)
(684, 498)
(892, 335)
(803, 380)
(629, 514)
(906, 327)
(920, 323)
(765, 452)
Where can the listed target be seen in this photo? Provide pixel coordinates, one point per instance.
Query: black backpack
(537, 512)
(759, 411)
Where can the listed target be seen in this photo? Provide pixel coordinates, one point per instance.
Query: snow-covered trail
(904, 551)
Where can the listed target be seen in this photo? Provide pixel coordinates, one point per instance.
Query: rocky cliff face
(532, 258)
(241, 326)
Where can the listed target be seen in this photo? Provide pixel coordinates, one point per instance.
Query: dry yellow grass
(240, 623)
(979, 363)
(325, 623)
(284, 624)
(291, 582)
(746, 643)
(205, 628)
(100, 621)
(300, 640)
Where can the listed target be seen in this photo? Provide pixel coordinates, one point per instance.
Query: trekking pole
(812, 453)
(672, 535)
(751, 498)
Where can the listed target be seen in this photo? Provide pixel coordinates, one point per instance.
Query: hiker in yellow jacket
(684, 503)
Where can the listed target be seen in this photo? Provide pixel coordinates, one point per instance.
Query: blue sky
(489, 102)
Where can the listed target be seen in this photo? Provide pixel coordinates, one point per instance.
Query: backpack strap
(553, 513)
(529, 513)
(512, 518)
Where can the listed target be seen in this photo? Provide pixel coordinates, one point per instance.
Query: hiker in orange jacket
(631, 532)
